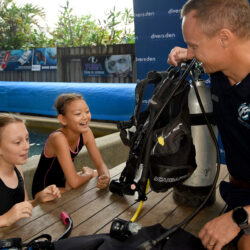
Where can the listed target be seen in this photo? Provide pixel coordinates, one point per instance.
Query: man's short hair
(215, 15)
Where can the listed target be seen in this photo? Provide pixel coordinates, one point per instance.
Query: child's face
(77, 116)
(14, 144)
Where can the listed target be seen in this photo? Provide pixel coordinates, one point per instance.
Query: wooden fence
(29, 76)
(69, 66)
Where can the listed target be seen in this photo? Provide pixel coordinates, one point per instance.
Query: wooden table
(92, 211)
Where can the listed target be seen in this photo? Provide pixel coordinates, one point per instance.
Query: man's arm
(220, 231)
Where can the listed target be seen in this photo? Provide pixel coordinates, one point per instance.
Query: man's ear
(61, 119)
(225, 37)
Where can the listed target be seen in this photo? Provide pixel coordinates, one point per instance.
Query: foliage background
(20, 29)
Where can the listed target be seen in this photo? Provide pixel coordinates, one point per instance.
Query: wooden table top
(93, 210)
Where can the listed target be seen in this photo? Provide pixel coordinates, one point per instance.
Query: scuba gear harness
(161, 146)
(160, 141)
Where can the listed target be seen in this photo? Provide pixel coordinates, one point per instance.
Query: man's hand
(219, 231)
(177, 55)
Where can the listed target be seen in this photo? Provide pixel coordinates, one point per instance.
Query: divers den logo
(162, 36)
(244, 114)
(174, 11)
(144, 14)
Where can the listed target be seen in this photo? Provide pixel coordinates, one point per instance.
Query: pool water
(37, 137)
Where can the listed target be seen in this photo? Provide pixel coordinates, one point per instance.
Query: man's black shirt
(231, 107)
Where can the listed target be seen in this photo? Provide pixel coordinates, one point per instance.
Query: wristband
(247, 230)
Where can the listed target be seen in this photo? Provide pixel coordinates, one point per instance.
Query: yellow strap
(140, 205)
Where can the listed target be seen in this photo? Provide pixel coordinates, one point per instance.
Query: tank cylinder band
(198, 119)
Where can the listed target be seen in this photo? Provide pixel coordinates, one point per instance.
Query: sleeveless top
(10, 196)
(49, 170)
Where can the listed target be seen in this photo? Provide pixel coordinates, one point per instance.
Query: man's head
(211, 28)
(214, 15)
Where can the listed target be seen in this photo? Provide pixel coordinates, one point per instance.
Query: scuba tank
(194, 190)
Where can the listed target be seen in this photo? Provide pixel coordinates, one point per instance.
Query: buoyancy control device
(162, 152)
(161, 145)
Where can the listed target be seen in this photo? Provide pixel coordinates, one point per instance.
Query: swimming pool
(37, 137)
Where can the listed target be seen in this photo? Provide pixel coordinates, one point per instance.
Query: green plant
(118, 26)
(20, 29)
(19, 25)
(74, 31)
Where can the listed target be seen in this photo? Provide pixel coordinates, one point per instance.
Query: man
(217, 33)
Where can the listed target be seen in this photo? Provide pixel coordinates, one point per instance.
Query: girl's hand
(49, 193)
(104, 177)
(103, 181)
(91, 173)
(18, 211)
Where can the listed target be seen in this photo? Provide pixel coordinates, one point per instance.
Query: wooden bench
(92, 211)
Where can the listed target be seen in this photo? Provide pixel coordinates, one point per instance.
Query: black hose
(67, 221)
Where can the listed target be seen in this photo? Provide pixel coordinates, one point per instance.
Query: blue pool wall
(107, 101)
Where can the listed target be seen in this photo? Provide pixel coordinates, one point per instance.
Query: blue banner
(157, 31)
(107, 66)
(27, 60)
(44, 59)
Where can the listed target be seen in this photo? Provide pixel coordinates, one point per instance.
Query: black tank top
(10, 196)
(49, 170)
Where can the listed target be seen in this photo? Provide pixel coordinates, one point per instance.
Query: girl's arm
(60, 147)
(103, 171)
(49, 193)
(18, 211)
